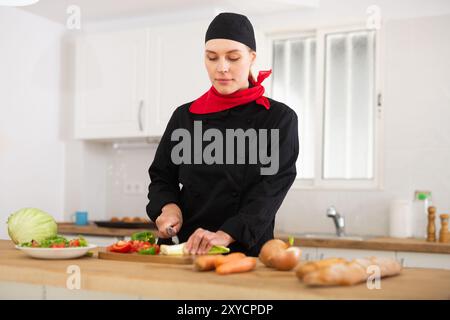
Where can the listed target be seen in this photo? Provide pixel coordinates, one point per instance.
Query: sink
(332, 236)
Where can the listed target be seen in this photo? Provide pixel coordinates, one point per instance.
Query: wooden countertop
(94, 230)
(376, 243)
(181, 282)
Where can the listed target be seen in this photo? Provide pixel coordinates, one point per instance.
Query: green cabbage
(31, 224)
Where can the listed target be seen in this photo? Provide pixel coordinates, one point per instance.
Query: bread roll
(311, 266)
(346, 273)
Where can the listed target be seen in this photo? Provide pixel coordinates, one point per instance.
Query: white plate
(56, 253)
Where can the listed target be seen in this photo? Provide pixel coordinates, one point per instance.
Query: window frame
(318, 183)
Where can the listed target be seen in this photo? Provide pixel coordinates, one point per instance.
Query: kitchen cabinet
(349, 254)
(424, 260)
(309, 254)
(110, 85)
(407, 259)
(177, 73)
(128, 83)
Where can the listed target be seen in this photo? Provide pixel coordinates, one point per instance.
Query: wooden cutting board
(135, 257)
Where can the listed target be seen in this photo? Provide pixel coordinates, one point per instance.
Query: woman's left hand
(201, 241)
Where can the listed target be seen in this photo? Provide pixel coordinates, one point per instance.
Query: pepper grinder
(444, 236)
(431, 230)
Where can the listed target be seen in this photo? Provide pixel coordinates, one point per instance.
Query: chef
(227, 159)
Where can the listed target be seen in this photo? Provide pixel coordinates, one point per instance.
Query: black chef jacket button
(196, 194)
(249, 120)
(234, 194)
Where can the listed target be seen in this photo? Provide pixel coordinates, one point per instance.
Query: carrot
(205, 263)
(236, 266)
(228, 258)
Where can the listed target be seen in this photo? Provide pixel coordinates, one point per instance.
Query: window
(329, 77)
(294, 82)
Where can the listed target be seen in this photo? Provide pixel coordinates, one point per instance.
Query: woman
(229, 203)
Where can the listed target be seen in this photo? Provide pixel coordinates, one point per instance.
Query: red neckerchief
(212, 101)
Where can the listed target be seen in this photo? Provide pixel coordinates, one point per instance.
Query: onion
(279, 255)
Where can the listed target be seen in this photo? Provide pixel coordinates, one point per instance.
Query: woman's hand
(170, 217)
(201, 241)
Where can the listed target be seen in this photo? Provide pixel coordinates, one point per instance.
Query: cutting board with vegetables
(135, 257)
(142, 248)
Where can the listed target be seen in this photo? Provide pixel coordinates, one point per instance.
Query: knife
(171, 232)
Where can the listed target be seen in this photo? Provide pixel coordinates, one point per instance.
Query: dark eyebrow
(209, 51)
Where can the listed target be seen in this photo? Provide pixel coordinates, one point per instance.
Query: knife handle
(170, 231)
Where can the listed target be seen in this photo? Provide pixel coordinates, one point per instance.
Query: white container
(400, 219)
(420, 221)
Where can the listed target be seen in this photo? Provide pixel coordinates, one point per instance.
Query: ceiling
(97, 10)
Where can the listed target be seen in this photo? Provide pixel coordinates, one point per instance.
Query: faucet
(338, 219)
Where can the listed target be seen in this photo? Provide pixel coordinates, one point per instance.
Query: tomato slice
(138, 245)
(58, 245)
(121, 247)
(74, 243)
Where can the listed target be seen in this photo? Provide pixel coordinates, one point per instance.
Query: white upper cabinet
(128, 83)
(177, 73)
(110, 85)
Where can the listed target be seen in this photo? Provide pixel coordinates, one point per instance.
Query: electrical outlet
(134, 188)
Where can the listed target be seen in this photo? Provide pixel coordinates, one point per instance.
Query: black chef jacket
(234, 198)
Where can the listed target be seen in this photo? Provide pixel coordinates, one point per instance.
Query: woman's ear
(253, 53)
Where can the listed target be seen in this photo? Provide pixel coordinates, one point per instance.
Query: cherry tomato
(74, 243)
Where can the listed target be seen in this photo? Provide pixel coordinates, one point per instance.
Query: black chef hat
(233, 26)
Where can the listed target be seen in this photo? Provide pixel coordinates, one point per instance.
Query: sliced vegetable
(30, 224)
(179, 249)
(146, 236)
(74, 243)
(121, 247)
(132, 246)
(57, 241)
(173, 250)
(83, 242)
(149, 251)
(219, 250)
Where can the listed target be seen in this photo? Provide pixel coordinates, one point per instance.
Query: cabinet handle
(321, 256)
(141, 105)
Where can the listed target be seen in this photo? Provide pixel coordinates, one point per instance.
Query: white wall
(31, 151)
